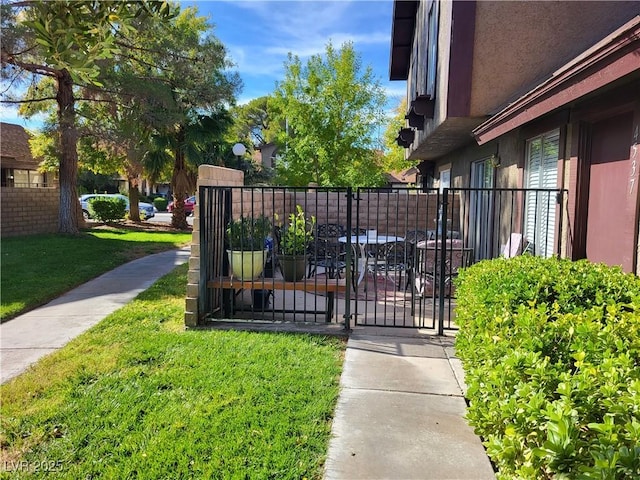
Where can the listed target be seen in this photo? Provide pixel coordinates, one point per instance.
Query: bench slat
(308, 285)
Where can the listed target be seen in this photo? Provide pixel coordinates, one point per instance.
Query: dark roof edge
(402, 28)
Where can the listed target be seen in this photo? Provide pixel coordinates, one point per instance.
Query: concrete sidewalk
(29, 337)
(400, 412)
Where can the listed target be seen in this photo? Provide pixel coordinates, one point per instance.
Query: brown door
(612, 193)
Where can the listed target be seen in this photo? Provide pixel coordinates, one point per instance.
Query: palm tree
(187, 145)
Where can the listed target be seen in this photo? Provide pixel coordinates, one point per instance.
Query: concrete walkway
(400, 413)
(29, 337)
(401, 405)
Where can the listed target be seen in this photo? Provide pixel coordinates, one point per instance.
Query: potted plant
(247, 251)
(294, 239)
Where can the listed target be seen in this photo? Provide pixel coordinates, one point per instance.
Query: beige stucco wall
(517, 44)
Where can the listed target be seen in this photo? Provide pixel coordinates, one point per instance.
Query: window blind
(541, 172)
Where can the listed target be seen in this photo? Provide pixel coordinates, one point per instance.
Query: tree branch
(33, 100)
(10, 59)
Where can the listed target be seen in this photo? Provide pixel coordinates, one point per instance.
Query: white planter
(246, 265)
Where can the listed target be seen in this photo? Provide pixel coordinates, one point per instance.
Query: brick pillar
(208, 175)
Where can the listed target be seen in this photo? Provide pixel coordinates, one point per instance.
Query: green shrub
(161, 204)
(107, 209)
(551, 352)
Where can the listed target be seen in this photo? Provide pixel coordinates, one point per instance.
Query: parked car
(189, 203)
(146, 209)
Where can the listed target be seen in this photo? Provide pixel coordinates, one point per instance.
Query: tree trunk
(134, 206)
(69, 211)
(179, 185)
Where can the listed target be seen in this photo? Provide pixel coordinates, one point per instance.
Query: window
(541, 172)
(432, 49)
(21, 178)
(480, 207)
(445, 179)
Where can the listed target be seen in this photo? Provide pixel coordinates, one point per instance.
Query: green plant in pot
(294, 240)
(247, 253)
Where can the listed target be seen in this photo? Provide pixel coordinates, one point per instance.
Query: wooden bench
(310, 285)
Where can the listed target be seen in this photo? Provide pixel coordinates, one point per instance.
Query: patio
(379, 257)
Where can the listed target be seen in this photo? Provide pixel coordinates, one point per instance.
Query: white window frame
(445, 178)
(541, 171)
(432, 49)
(481, 206)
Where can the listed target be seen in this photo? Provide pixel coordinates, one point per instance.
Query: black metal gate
(384, 257)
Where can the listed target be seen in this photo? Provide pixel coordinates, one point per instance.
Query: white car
(146, 209)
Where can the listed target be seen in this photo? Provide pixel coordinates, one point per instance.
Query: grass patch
(138, 397)
(38, 268)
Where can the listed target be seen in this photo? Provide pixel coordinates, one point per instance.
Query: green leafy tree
(330, 108)
(192, 64)
(253, 123)
(393, 159)
(66, 41)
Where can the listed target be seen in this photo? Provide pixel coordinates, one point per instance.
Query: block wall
(208, 175)
(28, 211)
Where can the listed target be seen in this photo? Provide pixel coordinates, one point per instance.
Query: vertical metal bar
(443, 259)
(560, 196)
(349, 267)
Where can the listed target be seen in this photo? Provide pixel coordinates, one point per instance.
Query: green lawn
(38, 268)
(138, 397)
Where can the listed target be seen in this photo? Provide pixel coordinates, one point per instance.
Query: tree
(330, 108)
(192, 64)
(66, 40)
(394, 154)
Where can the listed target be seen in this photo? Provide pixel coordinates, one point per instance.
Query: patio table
(361, 242)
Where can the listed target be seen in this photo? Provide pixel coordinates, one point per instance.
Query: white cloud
(268, 31)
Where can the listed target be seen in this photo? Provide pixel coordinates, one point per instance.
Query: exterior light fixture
(239, 150)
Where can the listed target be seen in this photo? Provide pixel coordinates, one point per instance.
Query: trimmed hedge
(551, 352)
(107, 209)
(160, 204)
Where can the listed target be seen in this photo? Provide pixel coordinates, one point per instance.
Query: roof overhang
(18, 163)
(404, 23)
(611, 59)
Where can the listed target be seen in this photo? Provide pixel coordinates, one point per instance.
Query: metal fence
(379, 257)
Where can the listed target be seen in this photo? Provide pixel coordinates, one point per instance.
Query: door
(613, 190)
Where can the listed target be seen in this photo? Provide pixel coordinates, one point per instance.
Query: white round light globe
(239, 149)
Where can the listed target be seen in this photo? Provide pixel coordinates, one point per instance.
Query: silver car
(146, 209)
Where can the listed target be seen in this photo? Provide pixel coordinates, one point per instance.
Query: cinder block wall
(388, 212)
(208, 175)
(28, 211)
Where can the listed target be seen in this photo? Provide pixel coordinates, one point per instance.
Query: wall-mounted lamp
(423, 105)
(405, 137)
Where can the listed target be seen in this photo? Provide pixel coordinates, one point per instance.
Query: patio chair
(331, 231)
(428, 265)
(392, 258)
(328, 255)
(415, 236)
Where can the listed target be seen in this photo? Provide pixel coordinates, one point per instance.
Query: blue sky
(260, 34)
